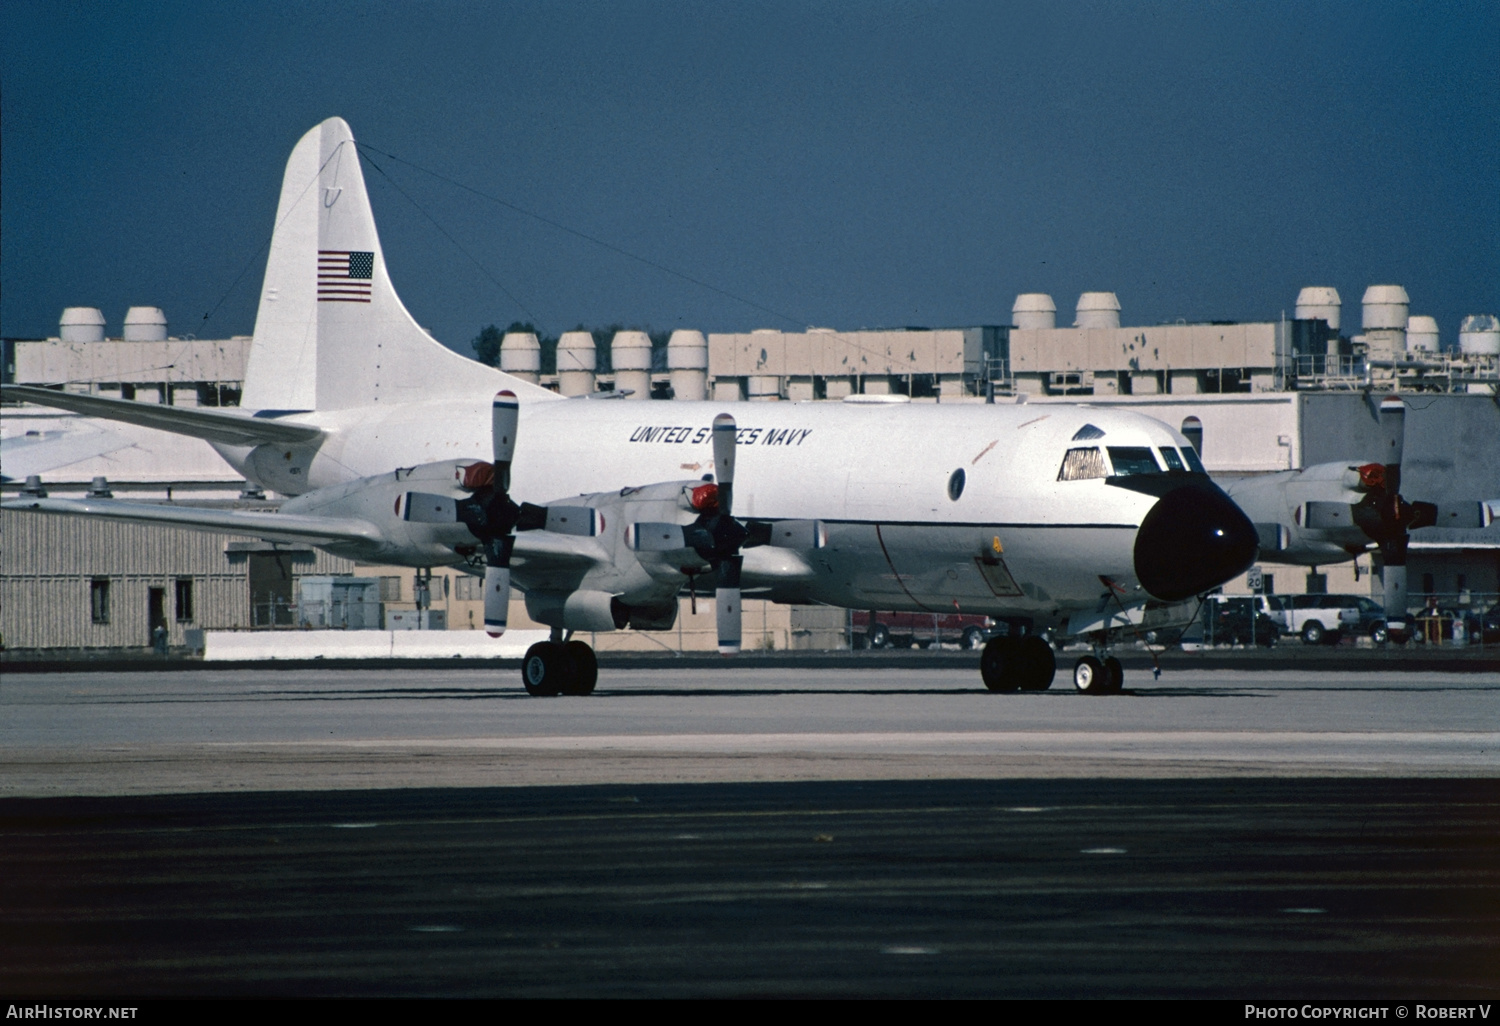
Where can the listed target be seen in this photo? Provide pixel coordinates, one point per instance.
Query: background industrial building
(1261, 396)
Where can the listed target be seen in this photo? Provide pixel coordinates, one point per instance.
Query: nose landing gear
(1095, 676)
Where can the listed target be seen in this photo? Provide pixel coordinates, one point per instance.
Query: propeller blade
(424, 508)
(497, 584)
(1272, 537)
(724, 436)
(727, 605)
(496, 599)
(1470, 515)
(1393, 428)
(660, 537)
(584, 521)
(505, 415)
(1395, 598)
(1322, 516)
(803, 535)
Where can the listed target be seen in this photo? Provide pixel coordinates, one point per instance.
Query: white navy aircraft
(1075, 520)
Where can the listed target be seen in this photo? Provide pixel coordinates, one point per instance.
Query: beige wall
(766, 625)
(48, 562)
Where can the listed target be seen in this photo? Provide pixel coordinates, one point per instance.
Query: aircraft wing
(280, 527)
(23, 455)
(212, 425)
(555, 562)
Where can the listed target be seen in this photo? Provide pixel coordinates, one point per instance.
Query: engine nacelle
(380, 502)
(577, 610)
(1277, 504)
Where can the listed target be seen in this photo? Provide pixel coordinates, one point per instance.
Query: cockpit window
(1131, 459)
(1169, 454)
(1082, 464)
(1194, 463)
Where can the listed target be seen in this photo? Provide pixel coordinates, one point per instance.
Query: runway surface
(256, 730)
(750, 831)
(1246, 889)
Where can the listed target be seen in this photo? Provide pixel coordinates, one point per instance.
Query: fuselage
(927, 507)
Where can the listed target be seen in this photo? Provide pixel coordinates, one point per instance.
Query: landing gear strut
(558, 667)
(1017, 664)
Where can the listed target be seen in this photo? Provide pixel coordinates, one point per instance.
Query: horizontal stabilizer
(285, 527)
(212, 425)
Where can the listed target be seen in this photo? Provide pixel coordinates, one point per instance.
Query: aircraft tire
(1090, 677)
(1114, 676)
(546, 670)
(998, 665)
(585, 669)
(1038, 664)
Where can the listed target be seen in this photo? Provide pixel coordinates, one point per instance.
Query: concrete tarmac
(259, 730)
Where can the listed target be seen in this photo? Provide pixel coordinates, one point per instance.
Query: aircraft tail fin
(331, 332)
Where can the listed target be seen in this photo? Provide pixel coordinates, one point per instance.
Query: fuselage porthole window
(956, 484)
(1133, 459)
(1174, 461)
(1082, 465)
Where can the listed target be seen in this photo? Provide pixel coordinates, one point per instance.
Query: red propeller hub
(705, 498)
(1372, 476)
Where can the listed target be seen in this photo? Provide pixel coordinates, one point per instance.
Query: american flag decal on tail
(344, 276)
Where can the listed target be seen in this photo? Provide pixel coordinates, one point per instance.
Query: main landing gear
(1017, 664)
(559, 667)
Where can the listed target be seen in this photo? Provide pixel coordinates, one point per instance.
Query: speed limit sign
(1254, 579)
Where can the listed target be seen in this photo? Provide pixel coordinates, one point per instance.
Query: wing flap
(197, 422)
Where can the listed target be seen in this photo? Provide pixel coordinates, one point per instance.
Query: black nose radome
(1194, 538)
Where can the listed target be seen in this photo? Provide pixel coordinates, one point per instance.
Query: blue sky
(837, 164)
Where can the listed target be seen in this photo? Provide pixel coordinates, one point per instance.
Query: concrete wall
(1163, 347)
(1452, 441)
(53, 362)
(1241, 433)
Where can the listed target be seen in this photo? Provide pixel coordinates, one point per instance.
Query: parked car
(1319, 619)
(1243, 620)
(902, 630)
(1371, 616)
(1485, 626)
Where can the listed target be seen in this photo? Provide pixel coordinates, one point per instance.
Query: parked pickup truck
(1320, 619)
(901, 630)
